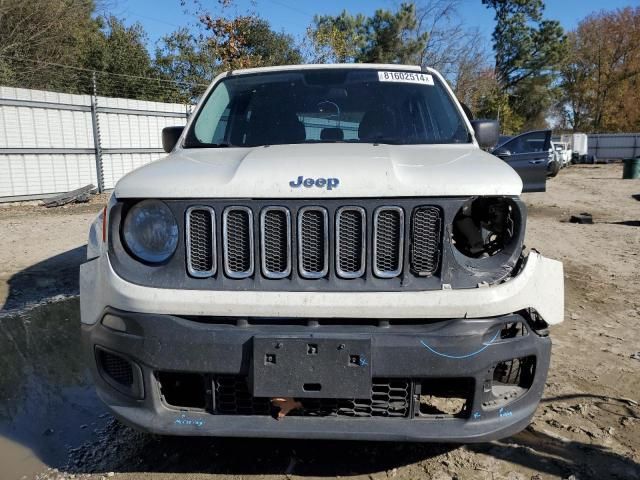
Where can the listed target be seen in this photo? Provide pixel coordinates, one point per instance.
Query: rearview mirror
(170, 136)
(487, 132)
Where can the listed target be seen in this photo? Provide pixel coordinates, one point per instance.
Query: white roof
(328, 66)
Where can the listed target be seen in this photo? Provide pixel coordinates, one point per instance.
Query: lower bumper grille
(389, 398)
(116, 367)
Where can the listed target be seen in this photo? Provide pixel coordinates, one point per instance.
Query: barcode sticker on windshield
(406, 77)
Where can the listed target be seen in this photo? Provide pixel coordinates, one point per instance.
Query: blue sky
(161, 17)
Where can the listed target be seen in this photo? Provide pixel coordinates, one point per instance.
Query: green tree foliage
(528, 51)
(56, 44)
(188, 61)
(118, 52)
(525, 44)
(221, 42)
(385, 37)
(336, 39)
(487, 99)
(268, 47)
(33, 32)
(389, 37)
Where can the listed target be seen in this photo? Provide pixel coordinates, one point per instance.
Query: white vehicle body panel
(539, 285)
(364, 170)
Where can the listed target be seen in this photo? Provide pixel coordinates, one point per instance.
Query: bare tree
(451, 45)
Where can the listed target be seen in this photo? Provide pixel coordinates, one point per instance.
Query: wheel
(554, 168)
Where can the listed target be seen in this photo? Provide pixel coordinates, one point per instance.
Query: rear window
(327, 106)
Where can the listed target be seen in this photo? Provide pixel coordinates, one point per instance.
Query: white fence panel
(119, 130)
(47, 143)
(35, 174)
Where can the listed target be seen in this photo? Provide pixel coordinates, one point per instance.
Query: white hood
(363, 170)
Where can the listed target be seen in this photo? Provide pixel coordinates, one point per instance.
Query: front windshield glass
(328, 106)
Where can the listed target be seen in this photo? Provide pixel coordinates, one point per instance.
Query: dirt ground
(587, 425)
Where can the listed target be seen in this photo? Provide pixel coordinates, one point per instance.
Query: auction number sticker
(406, 77)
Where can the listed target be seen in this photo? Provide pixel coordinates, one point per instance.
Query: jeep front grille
(350, 242)
(425, 240)
(237, 236)
(275, 234)
(201, 241)
(388, 241)
(312, 242)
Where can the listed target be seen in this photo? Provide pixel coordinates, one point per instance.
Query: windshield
(328, 106)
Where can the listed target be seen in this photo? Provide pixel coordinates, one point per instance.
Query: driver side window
(526, 143)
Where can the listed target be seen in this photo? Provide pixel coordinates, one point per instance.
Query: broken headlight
(484, 226)
(150, 231)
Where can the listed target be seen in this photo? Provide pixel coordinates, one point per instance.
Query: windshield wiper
(220, 145)
(387, 141)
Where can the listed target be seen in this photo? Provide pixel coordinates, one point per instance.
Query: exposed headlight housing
(485, 226)
(150, 232)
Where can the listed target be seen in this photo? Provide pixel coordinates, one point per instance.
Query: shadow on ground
(532, 450)
(235, 456)
(57, 275)
(552, 455)
(628, 223)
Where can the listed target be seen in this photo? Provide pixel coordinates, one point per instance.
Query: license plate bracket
(311, 367)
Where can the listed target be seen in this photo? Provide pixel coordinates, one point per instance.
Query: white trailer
(578, 143)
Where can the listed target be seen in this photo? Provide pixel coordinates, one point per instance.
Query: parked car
(276, 278)
(562, 153)
(530, 154)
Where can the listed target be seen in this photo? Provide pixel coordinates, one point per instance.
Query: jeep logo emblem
(328, 183)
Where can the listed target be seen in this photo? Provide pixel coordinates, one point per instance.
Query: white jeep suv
(326, 252)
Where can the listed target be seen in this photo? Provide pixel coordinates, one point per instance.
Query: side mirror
(502, 153)
(170, 136)
(487, 132)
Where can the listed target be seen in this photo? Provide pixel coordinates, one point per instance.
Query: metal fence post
(96, 134)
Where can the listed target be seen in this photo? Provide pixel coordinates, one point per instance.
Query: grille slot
(426, 225)
(201, 242)
(275, 234)
(389, 398)
(237, 235)
(313, 242)
(388, 241)
(350, 242)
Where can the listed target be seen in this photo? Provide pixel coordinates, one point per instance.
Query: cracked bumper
(460, 349)
(456, 335)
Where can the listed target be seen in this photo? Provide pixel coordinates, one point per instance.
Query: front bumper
(539, 286)
(461, 352)
(428, 340)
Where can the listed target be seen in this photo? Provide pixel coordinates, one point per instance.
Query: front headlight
(150, 231)
(485, 226)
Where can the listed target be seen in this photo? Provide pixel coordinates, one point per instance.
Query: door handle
(535, 162)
